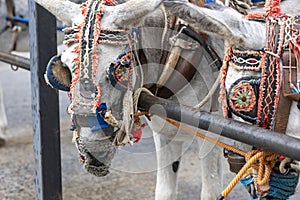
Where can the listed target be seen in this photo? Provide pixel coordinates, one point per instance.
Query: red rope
(272, 8)
(110, 2)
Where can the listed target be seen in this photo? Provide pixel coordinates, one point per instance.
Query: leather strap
(185, 72)
(286, 96)
(185, 67)
(289, 71)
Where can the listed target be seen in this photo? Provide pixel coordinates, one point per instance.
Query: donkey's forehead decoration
(89, 36)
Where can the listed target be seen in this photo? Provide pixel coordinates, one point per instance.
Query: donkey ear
(218, 20)
(132, 12)
(57, 74)
(64, 10)
(207, 20)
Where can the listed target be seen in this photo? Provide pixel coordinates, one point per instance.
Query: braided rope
(263, 161)
(210, 92)
(272, 8)
(136, 96)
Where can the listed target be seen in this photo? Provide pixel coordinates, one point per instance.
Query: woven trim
(88, 36)
(246, 60)
(270, 82)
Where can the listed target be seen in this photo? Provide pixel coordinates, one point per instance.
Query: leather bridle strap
(186, 65)
(212, 55)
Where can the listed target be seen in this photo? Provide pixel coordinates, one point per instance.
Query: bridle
(86, 108)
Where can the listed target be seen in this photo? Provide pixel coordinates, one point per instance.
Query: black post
(252, 135)
(45, 105)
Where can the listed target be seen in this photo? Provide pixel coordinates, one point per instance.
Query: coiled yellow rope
(261, 160)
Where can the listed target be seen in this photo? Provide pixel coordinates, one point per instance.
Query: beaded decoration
(85, 89)
(246, 60)
(120, 72)
(267, 62)
(256, 100)
(88, 36)
(270, 83)
(242, 98)
(292, 30)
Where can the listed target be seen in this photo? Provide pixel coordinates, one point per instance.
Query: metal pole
(45, 105)
(252, 135)
(15, 60)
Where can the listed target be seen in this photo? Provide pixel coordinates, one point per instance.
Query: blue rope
(281, 186)
(26, 21)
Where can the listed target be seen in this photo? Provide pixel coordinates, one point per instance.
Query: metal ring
(14, 68)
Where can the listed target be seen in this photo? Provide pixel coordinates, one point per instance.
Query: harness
(264, 99)
(259, 99)
(186, 43)
(86, 107)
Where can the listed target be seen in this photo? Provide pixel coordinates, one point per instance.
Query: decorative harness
(85, 90)
(261, 99)
(257, 99)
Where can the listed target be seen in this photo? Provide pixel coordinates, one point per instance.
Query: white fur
(168, 139)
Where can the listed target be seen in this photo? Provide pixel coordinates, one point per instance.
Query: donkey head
(99, 58)
(251, 41)
(225, 22)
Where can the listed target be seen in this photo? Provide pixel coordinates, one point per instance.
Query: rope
(163, 10)
(196, 133)
(210, 93)
(136, 96)
(241, 174)
(265, 161)
(261, 160)
(205, 137)
(284, 163)
(272, 8)
(137, 59)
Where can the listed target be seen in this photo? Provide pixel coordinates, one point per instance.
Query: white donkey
(249, 87)
(94, 45)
